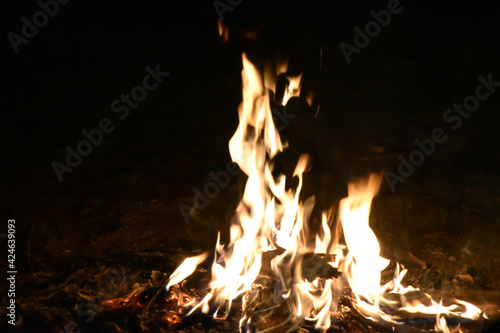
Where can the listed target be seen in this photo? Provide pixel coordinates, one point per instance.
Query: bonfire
(276, 272)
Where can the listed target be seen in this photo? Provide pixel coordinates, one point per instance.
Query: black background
(393, 92)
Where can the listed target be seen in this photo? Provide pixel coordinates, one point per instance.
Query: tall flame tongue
(363, 262)
(363, 266)
(239, 264)
(270, 238)
(270, 218)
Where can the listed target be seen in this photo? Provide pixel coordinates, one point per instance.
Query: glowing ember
(273, 250)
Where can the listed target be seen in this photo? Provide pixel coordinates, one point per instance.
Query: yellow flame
(364, 251)
(292, 89)
(185, 269)
(272, 218)
(363, 265)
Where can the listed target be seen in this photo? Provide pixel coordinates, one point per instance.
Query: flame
(185, 269)
(223, 31)
(363, 266)
(269, 216)
(365, 263)
(292, 89)
(271, 221)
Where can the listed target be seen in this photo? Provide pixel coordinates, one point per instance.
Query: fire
(185, 269)
(223, 31)
(363, 266)
(271, 242)
(363, 261)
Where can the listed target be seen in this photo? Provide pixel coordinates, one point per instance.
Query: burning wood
(276, 274)
(270, 263)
